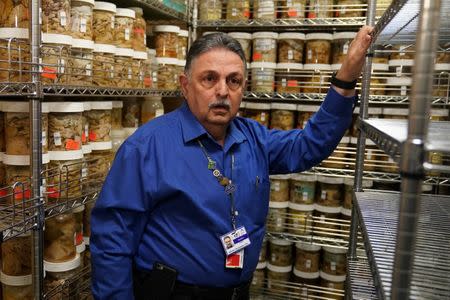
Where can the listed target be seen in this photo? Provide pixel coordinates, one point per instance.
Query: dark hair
(213, 41)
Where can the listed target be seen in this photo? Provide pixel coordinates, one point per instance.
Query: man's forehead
(218, 59)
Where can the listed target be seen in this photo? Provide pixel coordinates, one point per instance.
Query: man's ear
(184, 81)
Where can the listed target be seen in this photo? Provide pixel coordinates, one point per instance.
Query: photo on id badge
(235, 240)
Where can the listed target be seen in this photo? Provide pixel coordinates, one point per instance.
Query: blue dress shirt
(161, 203)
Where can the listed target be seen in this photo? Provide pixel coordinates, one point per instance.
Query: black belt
(187, 291)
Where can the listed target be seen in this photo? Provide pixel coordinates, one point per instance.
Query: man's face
(214, 87)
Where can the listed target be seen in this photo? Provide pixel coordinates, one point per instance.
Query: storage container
(104, 23)
(82, 19)
(326, 221)
(398, 86)
(338, 159)
(103, 65)
(152, 107)
(290, 47)
(123, 70)
(167, 75)
(305, 112)
(441, 84)
(264, 47)
(263, 252)
(245, 39)
(16, 256)
(300, 220)
(82, 60)
(100, 125)
(288, 77)
(64, 180)
(59, 275)
(263, 77)
(166, 40)
(55, 53)
(295, 9)
(123, 27)
(259, 277)
(320, 9)
(280, 253)
(56, 16)
(138, 37)
(85, 146)
(259, 112)
(317, 78)
(183, 38)
(15, 14)
(282, 116)
(209, 10)
(78, 213)
(330, 191)
(17, 287)
(341, 43)
(334, 261)
(350, 8)
(334, 286)
(116, 115)
(276, 218)
(131, 113)
(303, 189)
(264, 10)
(15, 57)
(238, 10)
(443, 54)
(138, 69)
(277, 278)
(378, 78)
(59, 242)
(307, 259)
(279, 188)
(318, 48)
(401, 67)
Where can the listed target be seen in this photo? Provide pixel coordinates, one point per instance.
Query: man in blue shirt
(186, 181)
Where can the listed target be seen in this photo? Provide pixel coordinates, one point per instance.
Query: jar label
(40, 15)
(343, 9)
(257, 56)
(305, 196)
(63, 18)
(345, 48)
(85, 133)
(264, 44)
(130, 73)
(84, 172)
(304, 291)
(292, 12)
(159, 112)
(92, 136)
(292, 83)
(289, 2)
(83, 23)
(57, 138)
(402, 49)
(44, 138)
(147, 81)
(273, 257)
(136, 123)
(275, 186)
(369, 154)
(234, 11)
(88, 70)
(113, 20)
(61, 65)
(246, 13)
(333, 266)
(279, 222)
(72, 145)
(403, 90)
(308, 264)
(283, 82)
(398, 71)
(127, 34)
(290, 54)
(323, 195)
(309, 54)
(263, 117)
(111, 73)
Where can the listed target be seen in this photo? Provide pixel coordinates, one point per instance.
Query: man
(184, 181)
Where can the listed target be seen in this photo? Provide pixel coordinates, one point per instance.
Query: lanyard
(229, 186)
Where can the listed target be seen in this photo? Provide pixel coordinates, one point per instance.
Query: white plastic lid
(344, 35)
(280, 242)
(183, 33)
(167, 61)
(427, 187)
(86, 149)
(125, 12)
(90, 2)
(118, 133)
(333, 278)
(140, 55)
(243, 104)
(301, 207)
(63, 267)
(279, 269)
(240, 35)
(167, 28)
(399, 81)
(66, 107)
(129, 130)
(327, 209)
(66, 155)
(16, 160)
(319, 36)
(291, 36)
(380, 67)
(280, 177)
(307, 246)
(78, 209)
(289, 66)
(336, 67)
(209, 32)
(86, 106)
(104, 48)
(261, 265)
(17, 33)
(97, 146)
(16, 280)
(318, 67)
(60, 39)
(265, 35)
(334, 250)
(81, 247)
(330, 180)
(181, 63)
(401, 62)
(285, 106)
(278, 204)
(396, 111)
(442, 67)
(17, 107)
(345, 140)
(124, 52)
(439, 112)
(304, 177)
(255, 105)
(82, 44)
(306, 275)
(346, 212)
(308, 108)
(101, 105)
(117, 104)
(100, 5)
(371, 110)
(263, 65)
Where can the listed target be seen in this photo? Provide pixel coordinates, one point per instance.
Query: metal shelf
(78, 286)
(154, 9)
(17, 89)
(65, 90)
(400, 22)
(378, 214)
(362, 287)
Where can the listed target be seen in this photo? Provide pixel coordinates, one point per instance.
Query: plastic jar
(139, 58)
(81, 62)
(334, 261)
(263, 77)
(58, 275)
(116, 115)
(401, 67)
(82, 16)
(15, 14)
(402, 52)
(104, 22)
(183, 37)
(318, 48)
(147, 71)
(320, 9)
(381, 7)
(210, 10)
(350, 8)
(303, 189)
(55, 52)
(300, 219)
(138, 37)
(78, 213)
(338, 159)
(238, 10)
(166, 40)
(98, 167)
(64, 180)
(14, 55)
(244, 39)
(16, 256)
(333, 285)
(306, 284)
(276, 218)
(330, 191)
(131, 113)
(85, 125)
(441, 85)
(100, 125)
(317, 78)
(56, 16)
(65, 130)
(103, 65)
(263, 252)
(17, 287)
(123, 71)
(280, 253)
(290, 47)
(259, 277)
(293, 9)
(348, 186)
(279, 188)
(307, 259)
(282, 116)
(59, 242)
(326, 220)
(264, 47)
(167, 73)
(305, 112)
(288, 77)
(123, 27)
(278, 278)
(264, 10)
(117, 139)
(378, 78)
(259, 112)
(341, 43)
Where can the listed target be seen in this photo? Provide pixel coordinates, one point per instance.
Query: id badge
(235, 240)
(235, 260)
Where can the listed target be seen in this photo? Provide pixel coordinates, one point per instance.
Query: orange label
(292, 12)
(83, 137)
(257, 56)
(78, 238)
(292, 83)
(72, 145)
(53, 192)
(312, 15)
(3, 193)
(92, 136)
(246, 13)
(147, 81)
(19, 194)
(49, 73)
(139, 30)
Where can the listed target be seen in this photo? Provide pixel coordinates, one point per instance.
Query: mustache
(220, 103)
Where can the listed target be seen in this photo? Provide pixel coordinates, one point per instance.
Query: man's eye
(234, 82)
(209, 80)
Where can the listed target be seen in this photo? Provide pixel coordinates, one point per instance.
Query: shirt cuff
(337, 104)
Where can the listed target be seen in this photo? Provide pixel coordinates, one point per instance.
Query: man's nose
(222, 88)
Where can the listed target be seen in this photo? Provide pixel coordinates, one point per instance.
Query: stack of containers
(307, 265)
(131, 114)
(279, 265)
(166, 43)
(305, 112)
(183, 38)
(278, 204)
(317, 62)
(259, 276)
(333, 268)
(329, 199)
(138, 37)
(117, 131)
(301, 204)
